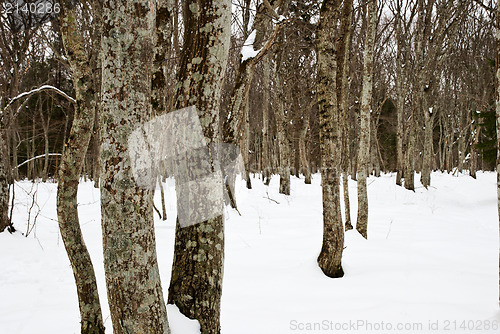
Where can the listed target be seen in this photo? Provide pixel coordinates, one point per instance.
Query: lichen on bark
(196, 283)
(330, 258)
(132, 276)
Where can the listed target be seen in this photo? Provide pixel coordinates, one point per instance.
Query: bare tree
(82, 67)
(365, 127)
(330, 258)
(404, 13)
(196, 283)
(4, 184)
(132, 276)
(344, 49)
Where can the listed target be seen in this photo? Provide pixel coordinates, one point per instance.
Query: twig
(389, 232)
(275, 201)
(157, 211)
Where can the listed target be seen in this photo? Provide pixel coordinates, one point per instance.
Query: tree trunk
(163, 49)
(97, 142)
(461, 153)
(282, 133)
(162, 196)
(163, 32)
(306, 169)
(69, 174)
(330, 258)
(475, 131)
(266, 151)
(132, 276)
(409, 171)
(428, 146)
(344, 47)
(196, 283)
(246, 147)
(366, 101)
(400, 91)
(4, 185)
(45, 126)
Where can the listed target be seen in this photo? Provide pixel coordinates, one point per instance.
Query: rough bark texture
(473, 150)
(4, 184)
(419, 95)
(409, 171)
(163, 48)
(266, 151)
(162, 76)
(282, 129)
(69, 174)
(366, 101)
(196, 283)
(306, 169)
(132, 276)
(344, 46)
(245, 147)
(231, 128)
(401, 71)
(330, 258)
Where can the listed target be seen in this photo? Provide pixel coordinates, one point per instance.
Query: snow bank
(431, 260)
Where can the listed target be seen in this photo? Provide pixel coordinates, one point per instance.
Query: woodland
(347, 92)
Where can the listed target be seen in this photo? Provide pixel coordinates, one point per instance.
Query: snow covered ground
(430, 264)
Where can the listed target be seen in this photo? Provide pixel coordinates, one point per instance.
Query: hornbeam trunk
(197, 271)
(330, 258)
(132, 276)
(4, 185)
(69, 173)
(366, 100)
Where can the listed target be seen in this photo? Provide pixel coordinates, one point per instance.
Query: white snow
(36, 90)
(280, 19)
(431, 260)
(37, 157)
(247, 51)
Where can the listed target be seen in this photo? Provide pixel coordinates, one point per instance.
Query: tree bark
(69, 173)
(45, 126)
(132, 276)
(245, 145)
(266, 151)
(330, 258)
(197, 272)
(281, 129)
(475, 131)
(306, 169)
(344, 48)
(366, 109)
(401, 85)
(163, 48)
(409, 171)
(4, 185)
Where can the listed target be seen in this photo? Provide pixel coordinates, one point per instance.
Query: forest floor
(430, 264)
